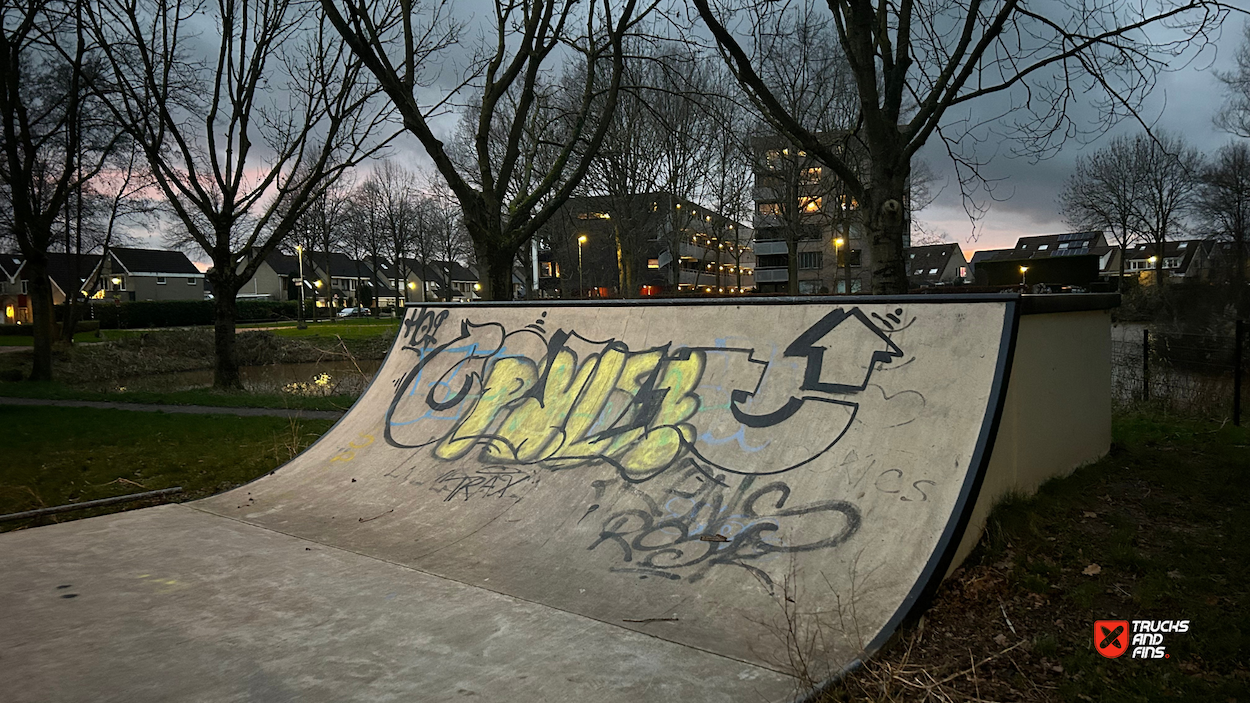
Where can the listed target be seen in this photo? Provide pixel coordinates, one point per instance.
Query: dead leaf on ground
(1092, 570)
(1089, 514)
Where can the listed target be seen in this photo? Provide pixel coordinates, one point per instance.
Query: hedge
(181, 313)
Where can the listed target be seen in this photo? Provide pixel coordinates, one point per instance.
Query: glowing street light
(837, 243)
(299, 254)
(581, 285)
(1024, 271)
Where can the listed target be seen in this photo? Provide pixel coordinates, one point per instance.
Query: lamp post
(1152, 261)
(299, 254)
(581, 284)
(837, 244)
(1024, 277)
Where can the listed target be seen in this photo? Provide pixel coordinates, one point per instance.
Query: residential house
(145, 274)
(656, 243)
(1179, 260)
(14, 299)
(275, 279)
(1047, 246)
(936, 265)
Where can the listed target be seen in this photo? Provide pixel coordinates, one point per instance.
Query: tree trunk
(1159, 262)
(225, 309)
(44, 321)
(494, 261)
(886, 227)
(792, 263)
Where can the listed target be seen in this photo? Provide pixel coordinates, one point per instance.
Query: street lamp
(581, 284)
(837, 243)
(299, 254)
(1024, 271)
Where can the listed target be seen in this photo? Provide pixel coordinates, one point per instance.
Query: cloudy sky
(1184, 101)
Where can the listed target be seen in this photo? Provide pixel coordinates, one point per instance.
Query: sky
(1185, 101)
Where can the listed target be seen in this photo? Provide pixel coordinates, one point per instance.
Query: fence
(1191, 374)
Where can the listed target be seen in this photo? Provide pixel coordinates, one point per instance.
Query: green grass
(199, 396)
(353, 329)
(79, 338)
(1166, 517)
(55, 456)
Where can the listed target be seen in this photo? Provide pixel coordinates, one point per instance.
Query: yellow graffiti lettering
(509, 379)
(669, 432)
(535, 428)
(589, 406)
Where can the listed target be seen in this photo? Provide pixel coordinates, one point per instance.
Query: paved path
(188, 409)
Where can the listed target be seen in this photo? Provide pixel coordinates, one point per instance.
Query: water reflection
(320, 378)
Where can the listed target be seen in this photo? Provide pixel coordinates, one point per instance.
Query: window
(773, 158)
(768, 208)
(810, 204)
(653, 263)
(1182, 245)
(190, 281)
(593, 216)
(25, 287)
(809, 259)
(932, 272)
(1043, 247)
(855, 260)
(160, 280)
(810, 175)
(963, 271)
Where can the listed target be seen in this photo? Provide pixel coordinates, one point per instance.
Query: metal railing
(1193, 374)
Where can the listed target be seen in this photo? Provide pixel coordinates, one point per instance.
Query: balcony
(771, 275)
(767, 248)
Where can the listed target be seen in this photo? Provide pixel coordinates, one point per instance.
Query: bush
(267, 310)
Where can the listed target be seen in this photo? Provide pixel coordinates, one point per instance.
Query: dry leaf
(1175, 575)
(1089, 514)
(1092, 570)
(1000, 640)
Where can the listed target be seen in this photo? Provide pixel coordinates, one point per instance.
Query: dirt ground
(1159, 529)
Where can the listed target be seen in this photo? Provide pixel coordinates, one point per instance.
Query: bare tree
(48, 151)
(241, 144)
(1138, 188)
(914, 61)
(1170, 170)
(1234, 116)
(1104, 192)
(505, 197)
(1224, 208)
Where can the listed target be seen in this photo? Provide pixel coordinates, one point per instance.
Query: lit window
(810, 204)
(811, 175)
(769, 208)
(653, 263)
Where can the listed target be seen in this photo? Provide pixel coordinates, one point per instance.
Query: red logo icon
(1111, 637)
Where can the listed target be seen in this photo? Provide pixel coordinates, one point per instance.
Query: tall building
(807, 228)
(646, 244)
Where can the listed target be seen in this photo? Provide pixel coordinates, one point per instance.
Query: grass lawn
(61, 455)
(347, 329)
(1159, 529)
(198, 396)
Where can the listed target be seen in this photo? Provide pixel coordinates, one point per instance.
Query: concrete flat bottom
(175, 604)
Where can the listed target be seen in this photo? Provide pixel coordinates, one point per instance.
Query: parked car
(355, 312)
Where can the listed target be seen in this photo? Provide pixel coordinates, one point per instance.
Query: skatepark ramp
(566, 502)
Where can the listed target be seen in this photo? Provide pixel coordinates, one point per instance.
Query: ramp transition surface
(562, 502)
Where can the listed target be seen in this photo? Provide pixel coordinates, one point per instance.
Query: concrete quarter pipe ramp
(549, 503)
